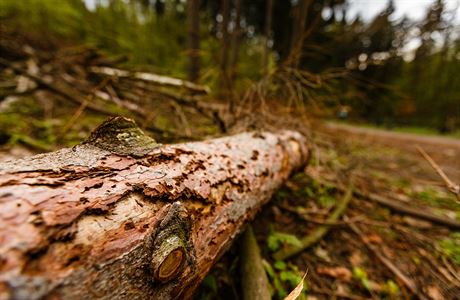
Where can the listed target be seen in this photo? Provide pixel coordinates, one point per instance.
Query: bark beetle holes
(129, 225)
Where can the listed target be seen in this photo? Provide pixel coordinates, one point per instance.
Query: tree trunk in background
(121, 217)
(299, 13)
(193, 15)
(236, 41)
(268, 30)
(224, 58)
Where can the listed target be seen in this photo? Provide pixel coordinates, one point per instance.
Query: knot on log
(122, 136)
(172, 246)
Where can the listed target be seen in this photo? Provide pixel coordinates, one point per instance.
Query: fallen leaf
(401, 197)
(340, 273)
(322, 253)
(434, 293)
(388, 252)
(298, 289)
(373, 238)
(417, 223)
(356, 259)
(393, 166)
(374, 286)
(341, 289)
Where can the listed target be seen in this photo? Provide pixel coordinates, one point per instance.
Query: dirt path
(445, 150)
(401, 136)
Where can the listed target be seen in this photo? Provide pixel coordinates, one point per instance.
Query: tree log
(122, 217)
(153, 78)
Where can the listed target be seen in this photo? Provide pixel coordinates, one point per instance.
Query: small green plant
(280, 195)
(391, 289)
(361, 275)
(451, 247)
(210, 282)
(326, 200)
(284, 277)
(438, 198)
(276, 239)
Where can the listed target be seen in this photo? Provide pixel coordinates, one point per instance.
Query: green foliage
(437, 198)
(276, 239)
(391, 288)
(118, 28)
(21, 121)
(451, 247)
(210, 282)
(382, 87)
(284, 277)
(50, 16)
(361, 275)
(320, 192)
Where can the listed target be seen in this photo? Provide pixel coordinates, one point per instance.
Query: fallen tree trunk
(120, 216)
(153, 78)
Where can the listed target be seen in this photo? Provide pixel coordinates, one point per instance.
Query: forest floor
(444, 149)
(423, 256)
(374, 252)
(351, 260)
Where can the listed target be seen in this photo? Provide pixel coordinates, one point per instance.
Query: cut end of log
(169, 261)
(172, 245)
(122, 136)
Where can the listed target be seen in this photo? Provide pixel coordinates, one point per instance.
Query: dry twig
(320, 222)
(392, 267)
(318, 233)
(398, 206)
(452, 187)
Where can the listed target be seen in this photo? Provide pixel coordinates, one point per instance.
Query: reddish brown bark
(86, 222)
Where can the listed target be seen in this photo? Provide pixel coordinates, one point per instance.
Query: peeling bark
(145, 223)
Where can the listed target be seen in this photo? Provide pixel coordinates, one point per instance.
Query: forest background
(362, 70)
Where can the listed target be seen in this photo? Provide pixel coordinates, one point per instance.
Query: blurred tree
(236, 41)
(267, 35)
(193, 14)
(227, 43)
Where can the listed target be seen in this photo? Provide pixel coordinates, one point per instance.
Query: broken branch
(150, 77)
(453, 188)
(398, 273)
(398, 206)
(253, 277)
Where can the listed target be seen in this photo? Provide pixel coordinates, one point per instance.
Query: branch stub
(122, 136)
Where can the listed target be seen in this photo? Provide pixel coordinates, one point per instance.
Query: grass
(451, 247)
(403, 129)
